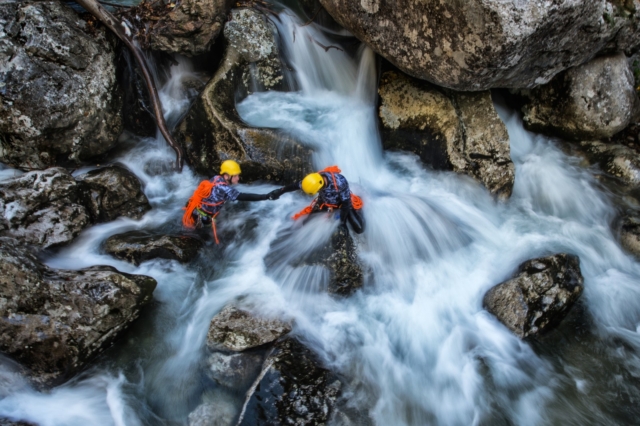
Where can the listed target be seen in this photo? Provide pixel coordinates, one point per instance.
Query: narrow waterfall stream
(415, 344)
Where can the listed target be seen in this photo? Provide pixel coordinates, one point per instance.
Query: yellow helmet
(312, 183)
(230, 167)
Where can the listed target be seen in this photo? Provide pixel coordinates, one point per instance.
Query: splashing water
(415, 343)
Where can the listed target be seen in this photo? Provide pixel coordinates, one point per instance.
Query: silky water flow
(414, 345)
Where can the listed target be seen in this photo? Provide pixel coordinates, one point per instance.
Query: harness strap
(356, 202)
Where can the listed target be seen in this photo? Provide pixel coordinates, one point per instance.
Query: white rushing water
(415, 343)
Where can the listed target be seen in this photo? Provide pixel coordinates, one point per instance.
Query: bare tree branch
(123, 31)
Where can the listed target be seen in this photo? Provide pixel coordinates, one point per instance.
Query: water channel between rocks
(415, 344)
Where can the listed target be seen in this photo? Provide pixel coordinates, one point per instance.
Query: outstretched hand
(275, 194)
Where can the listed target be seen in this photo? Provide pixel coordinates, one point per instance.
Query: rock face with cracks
(592, 101)
(53, 321)
(483, 44)
(59, 100)
(539, 296)
(459, 131)
(212, 131)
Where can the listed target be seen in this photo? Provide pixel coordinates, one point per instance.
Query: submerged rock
(113, 191)
(237, 330)
(448, 130)
(138, 246)
(235, 371)
(54, 321)
(59, 99)
(293, 388)
(42, 208)
(478, 45)
(212, 131)
(217, 409)
(592, 101)
(539, 296)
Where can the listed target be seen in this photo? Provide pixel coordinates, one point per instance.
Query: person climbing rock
(333, 194)
(209, 198)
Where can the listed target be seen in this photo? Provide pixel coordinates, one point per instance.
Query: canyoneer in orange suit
(207, 200)
(333, 193)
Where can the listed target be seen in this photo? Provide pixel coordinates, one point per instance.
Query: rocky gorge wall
(61, 105)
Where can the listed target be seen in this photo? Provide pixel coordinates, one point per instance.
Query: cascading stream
(415, 344)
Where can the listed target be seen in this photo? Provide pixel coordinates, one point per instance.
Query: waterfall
(414, 345)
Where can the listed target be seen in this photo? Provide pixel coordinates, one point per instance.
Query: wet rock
(237, 330)
(59, 99)
(54, 321)
(342, 261)
(539, 296)
(42, 208)
(235, 371)
(630, 233)
(459, 131)
(478, 45)
(113, 191)
(617, 160)
(190, 28)
(212, 131)
(138, 246)
(217, 409)
(592, 101)
(293, 388)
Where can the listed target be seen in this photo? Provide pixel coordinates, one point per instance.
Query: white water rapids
(415, 345)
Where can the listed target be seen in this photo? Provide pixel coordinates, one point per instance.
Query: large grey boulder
(59, 99)
(459, 131)
(483, 44)
(113, 191)
(235, 371)
(138, 246)
(212, 131)
(50, 208)
(292, 388)
(236, 330)
(630, 233)
(190, 28)
(539, 296)
(42, 208)
(592, 101)
(54, 321)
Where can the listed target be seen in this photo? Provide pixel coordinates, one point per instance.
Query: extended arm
(252, 197)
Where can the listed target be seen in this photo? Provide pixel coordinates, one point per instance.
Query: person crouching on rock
(333, 194)
(207, 200)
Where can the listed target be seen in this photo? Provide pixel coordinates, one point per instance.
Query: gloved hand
(275, 194)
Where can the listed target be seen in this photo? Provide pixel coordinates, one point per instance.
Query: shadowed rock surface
(212, 131)
(138, 246)
(53, 321)
(59, 100)
(190, 28)
(592, 101)
(113, 191)
(478, 45)
(237, 330)
(539, 296)
(459, 131)
(42, 208)
(293, 388)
